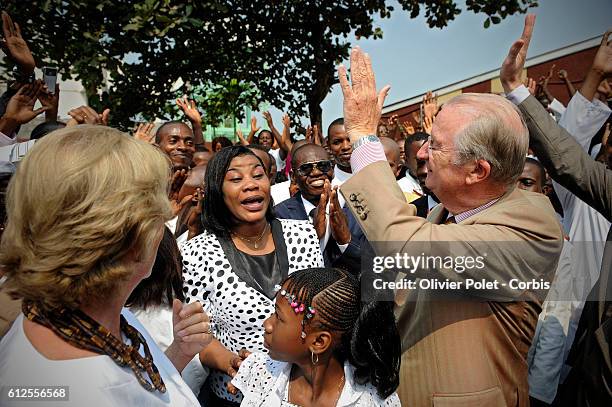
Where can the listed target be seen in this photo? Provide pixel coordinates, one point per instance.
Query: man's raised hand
(512, 67)
(190, 109)
(430, 105)
(362, 104)
(15, 46)
(144, 132)
(602, 64)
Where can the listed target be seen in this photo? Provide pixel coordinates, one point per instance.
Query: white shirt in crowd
(410, 185)
(6, 140)
(280, 192)
(265, 382)
(95, 381)
(340, 177)
(548, 350)
(280, 163)
(557, 109)
(158, 322)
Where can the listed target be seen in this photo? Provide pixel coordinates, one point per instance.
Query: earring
(314, 358)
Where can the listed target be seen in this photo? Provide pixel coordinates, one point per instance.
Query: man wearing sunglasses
(340, 234)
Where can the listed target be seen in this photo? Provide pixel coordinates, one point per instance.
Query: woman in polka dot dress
(233, 267)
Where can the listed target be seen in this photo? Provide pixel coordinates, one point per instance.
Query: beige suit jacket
(463, 353)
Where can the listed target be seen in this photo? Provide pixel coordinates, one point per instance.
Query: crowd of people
(153, 269)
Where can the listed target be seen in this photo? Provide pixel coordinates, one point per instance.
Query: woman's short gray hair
(496, 133)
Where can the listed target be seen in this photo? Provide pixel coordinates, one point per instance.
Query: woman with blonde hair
(86, 210)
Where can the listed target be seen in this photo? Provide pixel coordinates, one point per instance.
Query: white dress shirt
(308, 206)
(94, 381)
(340, 177)
(280, 192)
(6, 140)
(410, 185)
(280, 163)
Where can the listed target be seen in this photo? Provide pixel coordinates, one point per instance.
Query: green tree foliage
(129, 53)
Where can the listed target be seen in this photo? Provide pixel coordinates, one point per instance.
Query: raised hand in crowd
(531, 85)
(20, 108)
(408, 128)
(601, 68)
(430, 105)
(243, 141)
(268, 118)
(189, 109)
(316, 135)
(418, 120)
(286, 138)
(192, 332)
(177, 204)
(51, 100)
(568, 84)
(254, 129)
(394, 127)
(338, 221)
(86, 115)
(544, 84)
(392, 122)
(512, 67)
(320, 216)
(362, 103)
(192, 113)
(15, 46)
(308, 136)
(278, 138)
(145, 132)
(428, 124)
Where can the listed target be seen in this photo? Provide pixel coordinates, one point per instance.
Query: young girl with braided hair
(325, 347)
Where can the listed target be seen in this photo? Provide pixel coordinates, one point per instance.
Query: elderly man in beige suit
(468, 352)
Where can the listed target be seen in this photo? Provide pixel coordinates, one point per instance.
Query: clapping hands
(20, 108)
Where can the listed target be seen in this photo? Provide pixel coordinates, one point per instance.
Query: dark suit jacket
(350, 260)
(590, 382)
(422, 205)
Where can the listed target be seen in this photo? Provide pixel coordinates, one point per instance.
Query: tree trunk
(315, 111)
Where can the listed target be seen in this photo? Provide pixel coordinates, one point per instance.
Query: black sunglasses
(305, 169)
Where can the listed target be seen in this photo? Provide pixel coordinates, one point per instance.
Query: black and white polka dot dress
(238, 310)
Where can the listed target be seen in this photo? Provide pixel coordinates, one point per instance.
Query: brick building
(575, 59)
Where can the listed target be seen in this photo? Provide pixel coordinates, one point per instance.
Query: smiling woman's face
(246, 189)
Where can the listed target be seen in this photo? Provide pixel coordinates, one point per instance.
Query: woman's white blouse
(95, 381)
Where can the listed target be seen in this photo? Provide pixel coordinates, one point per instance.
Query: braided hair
(369, 341)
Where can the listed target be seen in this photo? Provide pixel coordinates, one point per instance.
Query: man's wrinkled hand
(512, 67)
(362, 104)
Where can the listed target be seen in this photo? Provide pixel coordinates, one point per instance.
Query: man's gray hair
(496, 133)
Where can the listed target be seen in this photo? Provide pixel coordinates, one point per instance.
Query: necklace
(82, 331)
(250, 241)
(339, 390)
